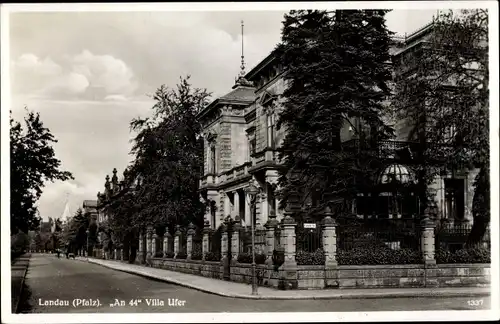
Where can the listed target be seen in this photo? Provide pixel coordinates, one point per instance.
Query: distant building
(90, 206)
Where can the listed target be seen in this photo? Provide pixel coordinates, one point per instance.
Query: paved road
(50, 279)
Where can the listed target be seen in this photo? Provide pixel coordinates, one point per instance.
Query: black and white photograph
(249, 162)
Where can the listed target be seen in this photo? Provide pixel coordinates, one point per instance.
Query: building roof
(241, 93)
(90, 203)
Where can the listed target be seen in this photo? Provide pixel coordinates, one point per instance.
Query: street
(58, 285)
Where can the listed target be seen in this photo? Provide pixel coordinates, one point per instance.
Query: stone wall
(460, 275)
(201, 268)
(313, 276)
(390, 276)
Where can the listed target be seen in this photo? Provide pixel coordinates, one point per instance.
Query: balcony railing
(384, 149)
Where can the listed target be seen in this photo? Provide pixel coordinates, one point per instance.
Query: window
(212, 213)
(454, 198)
(270, 130)
(253, 145)
(212, 160)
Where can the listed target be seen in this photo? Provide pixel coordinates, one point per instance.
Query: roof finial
(242, 72)
(240, 79)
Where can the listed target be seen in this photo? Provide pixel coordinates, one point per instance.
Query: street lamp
(87, 232)
(251, 191)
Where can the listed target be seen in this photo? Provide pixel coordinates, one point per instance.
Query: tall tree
(336, 70)
(447, 94)
(32, 164)
(161, 184)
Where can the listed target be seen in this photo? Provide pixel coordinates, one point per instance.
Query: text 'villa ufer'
(152, 302)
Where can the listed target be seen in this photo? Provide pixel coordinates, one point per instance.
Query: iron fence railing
(453, 236)
(395, 234)
(308, 239)
(245, 234)
(197, 243)
(215, 241)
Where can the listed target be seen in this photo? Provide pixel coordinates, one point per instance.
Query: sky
(89, 74)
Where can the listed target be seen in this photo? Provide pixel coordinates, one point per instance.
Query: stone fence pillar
(235, 239)
(177, 240)
(270, 226)
(149, 241)
(153, 241)
(428, 242)
(330, 249)
(190, 233)
(289, 236)
(288, 276)
(140, 252)
(206, 239)
(224, 242)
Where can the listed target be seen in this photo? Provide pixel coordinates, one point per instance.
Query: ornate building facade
(240, 141)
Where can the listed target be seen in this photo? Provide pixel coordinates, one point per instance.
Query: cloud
(82, 76)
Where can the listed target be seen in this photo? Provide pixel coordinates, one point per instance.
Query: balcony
(384, 149)
(405, 152)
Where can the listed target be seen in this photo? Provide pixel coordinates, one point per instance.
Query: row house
(240, 141)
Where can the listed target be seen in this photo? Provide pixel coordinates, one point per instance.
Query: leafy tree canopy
(32, 164)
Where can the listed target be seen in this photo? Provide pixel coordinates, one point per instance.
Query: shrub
(181, 255)
(196, 255)
(466, 255)
(246, 257)
(158, 254)
(212, 256)
(169, 255)
(310, 258)
(378, 255)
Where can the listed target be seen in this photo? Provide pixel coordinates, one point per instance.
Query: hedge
(466, 255)
(246, 257)
(169, 255)
(181, 255)
(378, 256)
(212, 256)
(310, 258)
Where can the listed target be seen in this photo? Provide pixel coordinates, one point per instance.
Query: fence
(308, 237)
(215, 241)
(197, 245)
(246, 240)
(395, 234)
(453, 236)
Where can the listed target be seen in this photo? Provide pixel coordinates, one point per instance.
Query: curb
(430, 294)
(22, 284)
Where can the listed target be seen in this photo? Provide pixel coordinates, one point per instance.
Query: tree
(160, 186)
(168, 154)
(336, 70)
(32, 164)
(450, 78)
(74, 233)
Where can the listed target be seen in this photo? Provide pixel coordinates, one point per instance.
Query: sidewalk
(18, 269)
(241, 290)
